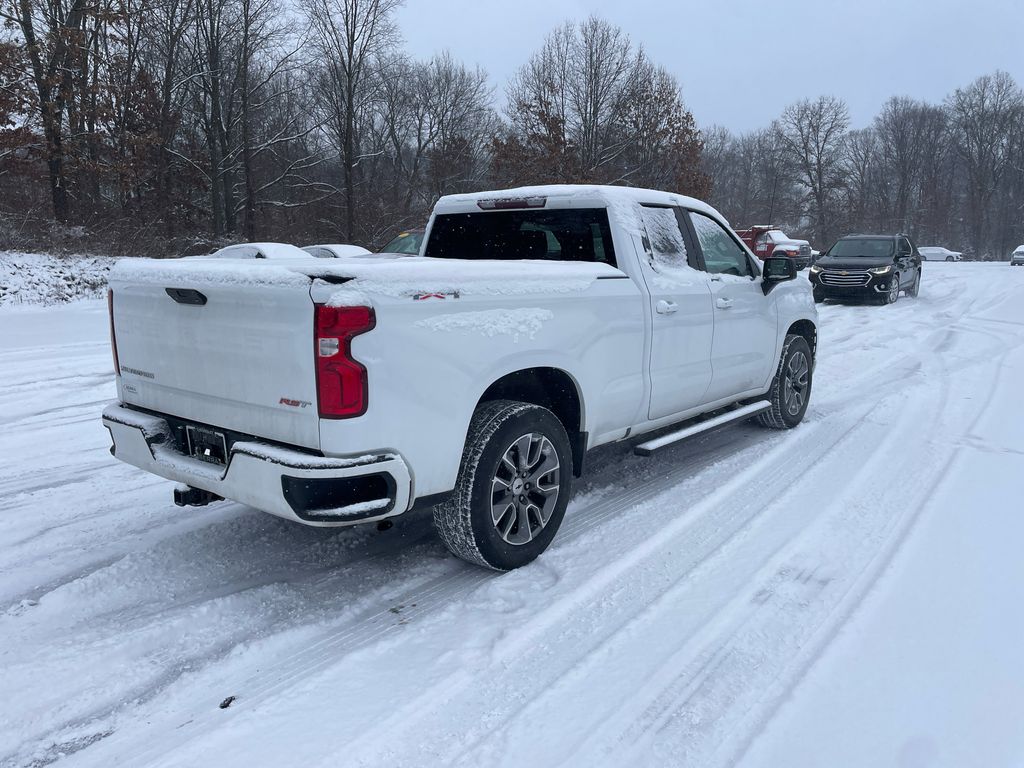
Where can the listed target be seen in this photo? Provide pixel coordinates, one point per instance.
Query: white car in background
(272, 251)
(938, 253)
(1017, 257)
(336, 251)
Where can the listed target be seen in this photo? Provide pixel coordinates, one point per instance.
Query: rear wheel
(513, 486)
(916, 290)
(791, 387)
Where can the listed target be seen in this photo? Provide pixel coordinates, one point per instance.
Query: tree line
(948, 174)
(168, 126)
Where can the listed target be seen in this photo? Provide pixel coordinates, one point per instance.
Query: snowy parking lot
(845, 594)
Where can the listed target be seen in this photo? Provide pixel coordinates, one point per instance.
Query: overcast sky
(741, 61)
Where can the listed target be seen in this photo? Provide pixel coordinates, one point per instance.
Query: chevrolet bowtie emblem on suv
(844, 272)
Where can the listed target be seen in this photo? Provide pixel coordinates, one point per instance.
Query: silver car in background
(938, 253)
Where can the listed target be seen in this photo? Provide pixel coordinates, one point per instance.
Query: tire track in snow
(420, 602)
(603, 579)
(447, 595)
(621, 617)
(891, 378)
(681, 727)
(696, 693)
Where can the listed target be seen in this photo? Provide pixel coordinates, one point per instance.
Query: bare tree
(862, 178)
(589, 106)
(347, 36)
(985, 116)
(814, 133)
(52, 32)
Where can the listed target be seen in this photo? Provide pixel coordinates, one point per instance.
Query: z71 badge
(441, 295)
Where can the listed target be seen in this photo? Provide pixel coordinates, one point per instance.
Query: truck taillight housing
(113, 336)
(341, 384)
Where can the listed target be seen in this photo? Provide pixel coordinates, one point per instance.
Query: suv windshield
(557, 235)
(872, 247)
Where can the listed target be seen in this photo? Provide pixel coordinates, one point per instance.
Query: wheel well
(549, 388)
(806, 329)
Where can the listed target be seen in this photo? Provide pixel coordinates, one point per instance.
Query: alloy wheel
(524, 488)
(795, 383)
(894, 289)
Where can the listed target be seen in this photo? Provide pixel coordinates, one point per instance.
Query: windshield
(558, 235)
(407, 242)
(869, 247)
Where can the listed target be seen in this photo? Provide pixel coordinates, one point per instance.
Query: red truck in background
(768, 240)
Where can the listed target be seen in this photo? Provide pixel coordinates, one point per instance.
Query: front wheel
(791, 387)
(893, 295)
(513, 486)
(819, 295)
(950, 258)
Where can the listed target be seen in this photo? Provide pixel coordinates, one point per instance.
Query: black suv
(874, 267)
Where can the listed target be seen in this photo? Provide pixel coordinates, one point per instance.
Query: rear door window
(722, 254)
(664, 236)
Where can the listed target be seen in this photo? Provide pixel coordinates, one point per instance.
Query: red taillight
(340, 380)
(113, 336)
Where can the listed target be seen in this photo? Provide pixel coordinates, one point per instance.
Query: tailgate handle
(186, 296)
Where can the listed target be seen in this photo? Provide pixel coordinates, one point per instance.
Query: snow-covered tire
(916, 290)
(796, 357)
(893, 294)
(465, 521)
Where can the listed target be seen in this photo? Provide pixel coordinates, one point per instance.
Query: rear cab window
(566, 234)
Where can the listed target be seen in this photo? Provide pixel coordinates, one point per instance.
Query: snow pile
(492, 322)
(38, 278)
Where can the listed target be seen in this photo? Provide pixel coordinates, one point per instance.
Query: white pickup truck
(536, 324)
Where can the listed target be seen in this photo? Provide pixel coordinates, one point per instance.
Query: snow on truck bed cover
(395, 277)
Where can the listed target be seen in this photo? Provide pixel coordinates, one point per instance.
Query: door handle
(666, 307)
(723, 303)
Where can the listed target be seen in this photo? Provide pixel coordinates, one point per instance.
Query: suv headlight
(815, 269)
(881, 270)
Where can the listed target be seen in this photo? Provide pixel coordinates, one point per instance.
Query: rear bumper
(299, 486)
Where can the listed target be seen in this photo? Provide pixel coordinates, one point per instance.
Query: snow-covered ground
(37, 278)
(845, 594)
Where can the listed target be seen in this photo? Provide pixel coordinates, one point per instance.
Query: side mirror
(777, 269)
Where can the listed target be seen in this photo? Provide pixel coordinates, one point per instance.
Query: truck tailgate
(232, 354)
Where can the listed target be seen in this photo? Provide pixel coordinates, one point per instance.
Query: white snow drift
(845, 594)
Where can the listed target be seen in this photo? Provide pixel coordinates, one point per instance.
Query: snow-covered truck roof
(623, 199)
